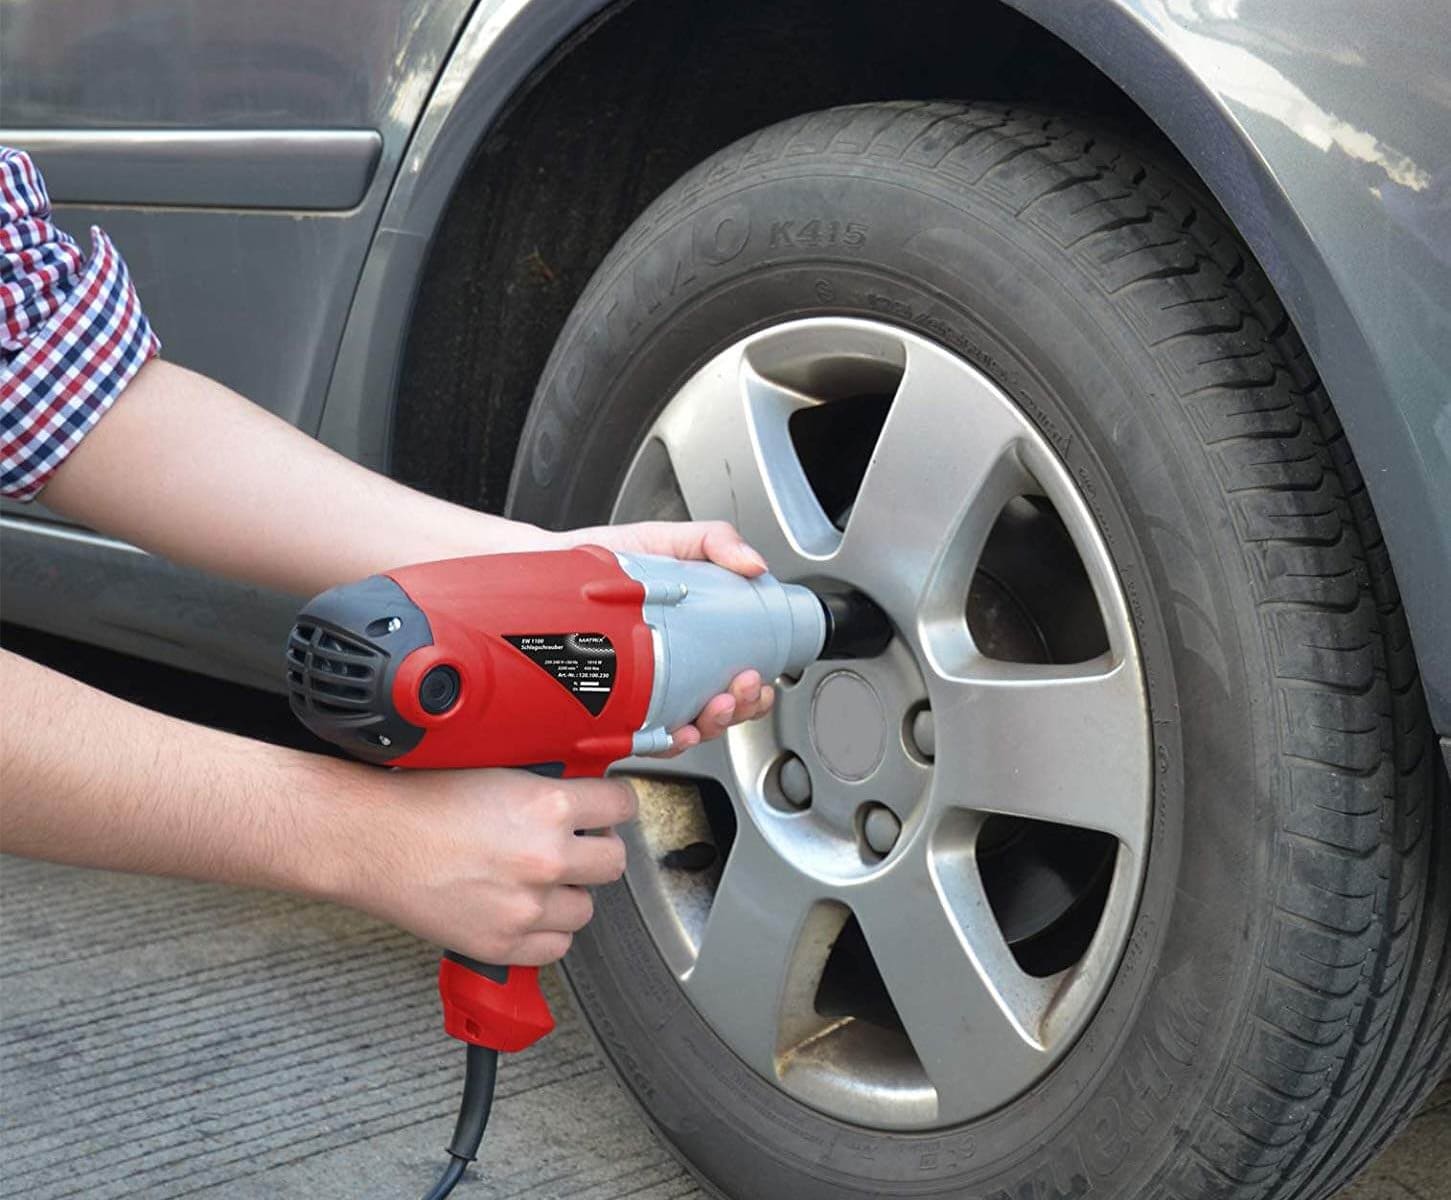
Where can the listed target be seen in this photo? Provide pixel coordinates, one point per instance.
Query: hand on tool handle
(491, 862)
(561, 662)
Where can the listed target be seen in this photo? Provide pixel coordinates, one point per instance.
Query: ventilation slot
(330, 673)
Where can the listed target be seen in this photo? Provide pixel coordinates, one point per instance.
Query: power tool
(559, 662)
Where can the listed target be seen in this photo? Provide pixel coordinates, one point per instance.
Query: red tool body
(506, 709)
(510, 711)
(561, 662)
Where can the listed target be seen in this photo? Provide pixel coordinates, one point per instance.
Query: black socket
(855, 626)
(438, 690)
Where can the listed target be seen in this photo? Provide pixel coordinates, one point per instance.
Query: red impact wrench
(559, 662)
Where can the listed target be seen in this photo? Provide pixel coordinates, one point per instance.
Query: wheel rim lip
(1079, 990)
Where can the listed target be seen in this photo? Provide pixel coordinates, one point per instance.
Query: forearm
(94, 781)
(489, 862)
(186, 468)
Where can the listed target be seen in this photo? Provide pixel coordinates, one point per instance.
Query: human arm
(189, 469)
(487, 862)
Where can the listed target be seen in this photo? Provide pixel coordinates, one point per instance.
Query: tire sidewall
(727, 253)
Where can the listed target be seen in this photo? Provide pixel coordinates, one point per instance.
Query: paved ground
(172, 1039)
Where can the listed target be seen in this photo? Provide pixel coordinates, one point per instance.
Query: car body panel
(1324, 133)
(254, 290)
(188, 168)
(197, 64)
(81, 585)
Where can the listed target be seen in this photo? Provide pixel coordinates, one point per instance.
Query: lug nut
(795, 782)
(924, 733)
(881, 829)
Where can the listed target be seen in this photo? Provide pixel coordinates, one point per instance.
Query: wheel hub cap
(848, 725)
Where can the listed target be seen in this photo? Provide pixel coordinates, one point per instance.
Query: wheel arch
(1168, 72)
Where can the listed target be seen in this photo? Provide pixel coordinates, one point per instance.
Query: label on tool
(583, 663)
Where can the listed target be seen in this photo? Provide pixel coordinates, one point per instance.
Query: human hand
(711, 541)
(492, 863)
(748, 696)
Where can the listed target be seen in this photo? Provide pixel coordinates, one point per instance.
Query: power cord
(481, 1066)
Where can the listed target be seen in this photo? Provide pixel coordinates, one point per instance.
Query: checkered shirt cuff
(72, 333)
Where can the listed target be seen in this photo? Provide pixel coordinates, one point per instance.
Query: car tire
(1280, 1005)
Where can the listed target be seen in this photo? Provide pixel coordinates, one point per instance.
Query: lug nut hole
(880, 828)
(789, 784)
(920, 732)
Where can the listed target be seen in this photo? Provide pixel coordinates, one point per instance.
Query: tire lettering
(721, 236)
(818, 231)
(663, 271)
(946, 1157)
(543, 453)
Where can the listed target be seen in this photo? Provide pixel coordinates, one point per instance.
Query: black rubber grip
(492, 971)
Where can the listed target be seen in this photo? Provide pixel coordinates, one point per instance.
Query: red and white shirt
(72, 333)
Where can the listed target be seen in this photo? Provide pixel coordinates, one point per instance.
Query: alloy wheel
(901, 897)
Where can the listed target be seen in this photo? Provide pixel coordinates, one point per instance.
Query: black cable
(480, 1067)
(450, 1177)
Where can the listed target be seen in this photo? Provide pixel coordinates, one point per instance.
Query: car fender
(502, 43)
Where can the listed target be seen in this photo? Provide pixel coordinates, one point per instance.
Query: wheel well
(622, 109)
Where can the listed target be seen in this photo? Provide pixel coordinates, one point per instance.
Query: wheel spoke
(943, 468)
(727, 438)
(747, 962)
(969, 1009)
(1053, 743)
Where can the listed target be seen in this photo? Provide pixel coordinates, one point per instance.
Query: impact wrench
(559, 662)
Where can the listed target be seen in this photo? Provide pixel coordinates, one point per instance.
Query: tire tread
(1347, 1037)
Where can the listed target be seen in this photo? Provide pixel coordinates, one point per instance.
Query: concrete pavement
(170, 1039)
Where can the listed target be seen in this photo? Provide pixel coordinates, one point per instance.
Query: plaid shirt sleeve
(72, 333)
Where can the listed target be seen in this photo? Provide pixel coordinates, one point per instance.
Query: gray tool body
(708, 625)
